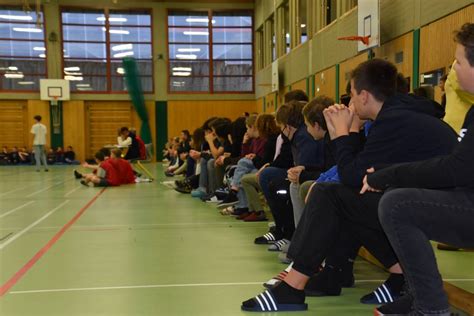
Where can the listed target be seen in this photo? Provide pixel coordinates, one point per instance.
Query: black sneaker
(401, 306)
(384, 294)
(230, 200)
(84, 183)
(77, 174)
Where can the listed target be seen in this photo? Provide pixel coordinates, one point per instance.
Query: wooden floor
(143, 250)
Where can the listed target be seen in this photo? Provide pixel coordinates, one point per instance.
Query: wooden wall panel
(325, 83)
(104, 118)
(345, 69)
(259, 105)
(300, 85)
(389, 50)
(13, 122)
(272, 102)
(191, 114)
(436, 40)
(37, 107)
(75, 128)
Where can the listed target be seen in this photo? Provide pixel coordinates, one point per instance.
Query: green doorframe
(161, 119)
(415, 80)
(337, 83)
(56, 124)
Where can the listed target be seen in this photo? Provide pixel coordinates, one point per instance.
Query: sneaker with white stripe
(381, 295)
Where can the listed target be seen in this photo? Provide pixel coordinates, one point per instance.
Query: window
(302, 10)
(210, 52)
(22, 49)
(94, 43)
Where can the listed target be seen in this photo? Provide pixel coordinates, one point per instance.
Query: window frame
(106, 11)
(210, 44)
(45, 59)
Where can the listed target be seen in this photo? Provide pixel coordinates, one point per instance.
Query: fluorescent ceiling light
(191, 33)
(73, 78)
(182, 69)
(199, 20)
(41, 49)
(16, 17)
(120, 70)
(82, 85)
(116, 31)
(42, 55)
(428, 76)
(303, 25)
(181, 74)
(26, 83)
(182, 56)
(14, 76)
(122, 47)
(72, 69)
(73, 73)
(123, 54)
(102, 18)
(12, 68)
(27, 29)
(188, 50)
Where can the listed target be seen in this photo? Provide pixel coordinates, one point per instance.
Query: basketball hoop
(363, 39)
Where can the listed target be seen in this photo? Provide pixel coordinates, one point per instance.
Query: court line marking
(73, 190)
(23, 270)
(8, 192)
(16, 209)
(151, 286)
(18, 235)
(44, 189)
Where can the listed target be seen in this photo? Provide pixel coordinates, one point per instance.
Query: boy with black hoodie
(435, 201)
(404, 129)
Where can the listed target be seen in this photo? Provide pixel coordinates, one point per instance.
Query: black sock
(396, 282)
(285, 294)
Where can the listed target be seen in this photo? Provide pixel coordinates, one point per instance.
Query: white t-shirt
(39, 130)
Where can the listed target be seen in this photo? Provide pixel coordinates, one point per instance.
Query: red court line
(20, 273)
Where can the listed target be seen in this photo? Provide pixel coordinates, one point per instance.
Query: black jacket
(284, 159)
(329, 160)
(405, 130)
(450, 171)
(268, 152)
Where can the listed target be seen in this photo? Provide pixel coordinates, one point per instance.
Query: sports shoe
(230, 200)
(401, 306)
(213, 199)
(256, 217)
(77, 174)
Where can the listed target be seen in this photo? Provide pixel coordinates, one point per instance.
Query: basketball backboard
(369, 23)
(54, 89)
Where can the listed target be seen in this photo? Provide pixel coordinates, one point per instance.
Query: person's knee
(390, 206)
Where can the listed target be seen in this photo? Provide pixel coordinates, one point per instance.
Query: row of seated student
(21, 155)
(322, 168)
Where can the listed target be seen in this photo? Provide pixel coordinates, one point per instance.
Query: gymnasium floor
(143, 250)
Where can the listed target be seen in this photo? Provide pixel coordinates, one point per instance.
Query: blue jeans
(40, 155)
(244, 166)
(413, 217)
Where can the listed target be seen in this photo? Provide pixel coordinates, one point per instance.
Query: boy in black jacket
(435, 202)
(404, 129)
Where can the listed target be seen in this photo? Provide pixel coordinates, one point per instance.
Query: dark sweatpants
(334, 213)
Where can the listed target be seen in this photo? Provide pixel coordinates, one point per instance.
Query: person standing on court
(39, 142)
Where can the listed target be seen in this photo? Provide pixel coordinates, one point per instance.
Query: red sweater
(111, 173)
(124, 169)
(255, 146)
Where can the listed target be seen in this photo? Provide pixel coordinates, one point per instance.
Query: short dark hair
(186, 132)
(291, 114)
(377, 76)
(313, 111)
(403, 86)
(207, 123)
(99, 156)
(222, 127)
(465, 37)
(37, 117)
(296, 95)
(105, 152)
(124, 129)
